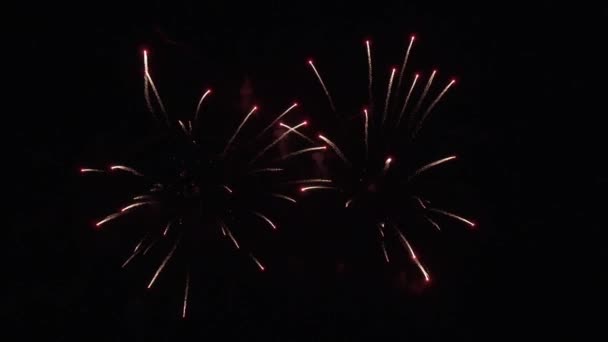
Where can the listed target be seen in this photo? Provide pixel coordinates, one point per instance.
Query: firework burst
(377, 176)
(204, 189)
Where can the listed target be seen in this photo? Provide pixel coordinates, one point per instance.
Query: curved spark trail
(407, 98)
(335, 148)
(160, 268)
(388, 95)
(433, 104)
(198, 106)
(311, 149)
(277, 119)
(454, 216)
(238, 130)
(407, 55)
(331, 102)
(431, 165)
(276, 141)
(126, 168)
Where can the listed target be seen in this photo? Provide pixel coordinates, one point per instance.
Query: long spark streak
(406, 243)
(407, 98)
(260, 215)
(407, 55)
(316, 187)
(276, 141)
(135, 205)
(146, 87)
(293, 129)
(311, 180)
(185, 306)
(366, 133)
(198, 106)
(381, 229)
(109, 218)
(160, 268)
(385, 253)
(331, 102)
(157, 95)
(236, 244)
(238, 130)
(150, 246)
(283, 197)
(135, 252)
(335, 148)
(454, 216)
(167, 227)
(433, 104)
(369, 71)
(257, 262)
(388, 95)
(348, 203)
(126, 168)
(85, 170)
(142, 197)
(311, 149)
(433, 223)
(227, 188)
(423, 96)
(268, 169)
(276, 120)
(183, 127)
(431, 165)
(419, 201)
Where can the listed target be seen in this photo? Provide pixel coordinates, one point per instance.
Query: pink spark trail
(331, 102)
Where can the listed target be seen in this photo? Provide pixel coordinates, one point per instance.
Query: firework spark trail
(257, 262)
(387, 164)
(236, 244)
(384, 252)
(454, 216)
(238, 130)
(406, 244)
(407, 55)
(369, 71)
(431, 165)
(146, 87)
(422, 97)
(335, 148)
(85, 170)
(283, 197)
(198, 106)
(293, 129)
(185, 306)
(126, 168)
(348, 203)
(167, 227)
(262, 216)
(419, 201)
(311, 149)
(109, 218)
(268, 169)
(407, 98)
(138, 246)
(135, 252)
(142, 197)
(433, 223)
(135, 205)
(310, 180)
(181, 124)
(388, 95)
(277, 119)
(433, 104)
(227, 188)
(157, 95)
(317, 187)
(276, 141)
(150, 246)
(331, 102)
(223, 230)
(366, 133)
(160, 268)
(190, 127)
(381, 229)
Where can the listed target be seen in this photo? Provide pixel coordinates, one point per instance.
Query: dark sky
(524, 117)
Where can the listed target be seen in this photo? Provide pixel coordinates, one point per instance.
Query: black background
(525, 117)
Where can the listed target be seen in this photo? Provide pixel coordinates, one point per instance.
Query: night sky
(524, 118)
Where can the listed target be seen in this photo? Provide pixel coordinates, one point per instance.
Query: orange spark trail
(238, 130)
(331, 102)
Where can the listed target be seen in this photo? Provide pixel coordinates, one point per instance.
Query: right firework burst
(374, 171)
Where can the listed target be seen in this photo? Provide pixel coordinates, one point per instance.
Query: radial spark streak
(366, 132)
(387, 164)
(109, 218)
(431, 165)
(276, 141)
(423, 96)
(413, 255)
(407, 55)
(407, 98)
(369, 71)
(162, 265)
(388, 95)
(433, 223)
(262, 216)
(200, 102)
(238, 130)
(267, 169)
(335, 148)
(331, 102)
(310, 180)
(125, 168)
(283, 197)
(384, 252)
(433, 104)
(135, 252)
(185, 306)
(257, 262)
(317, 187)
(277, 119)
(85, 170)
(295, 153)
(227, 188)
(294, 130)
(454, 216)
(135, 205)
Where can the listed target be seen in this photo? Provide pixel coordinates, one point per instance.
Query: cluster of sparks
(188, 129)
(402, 115)
(399, 112)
